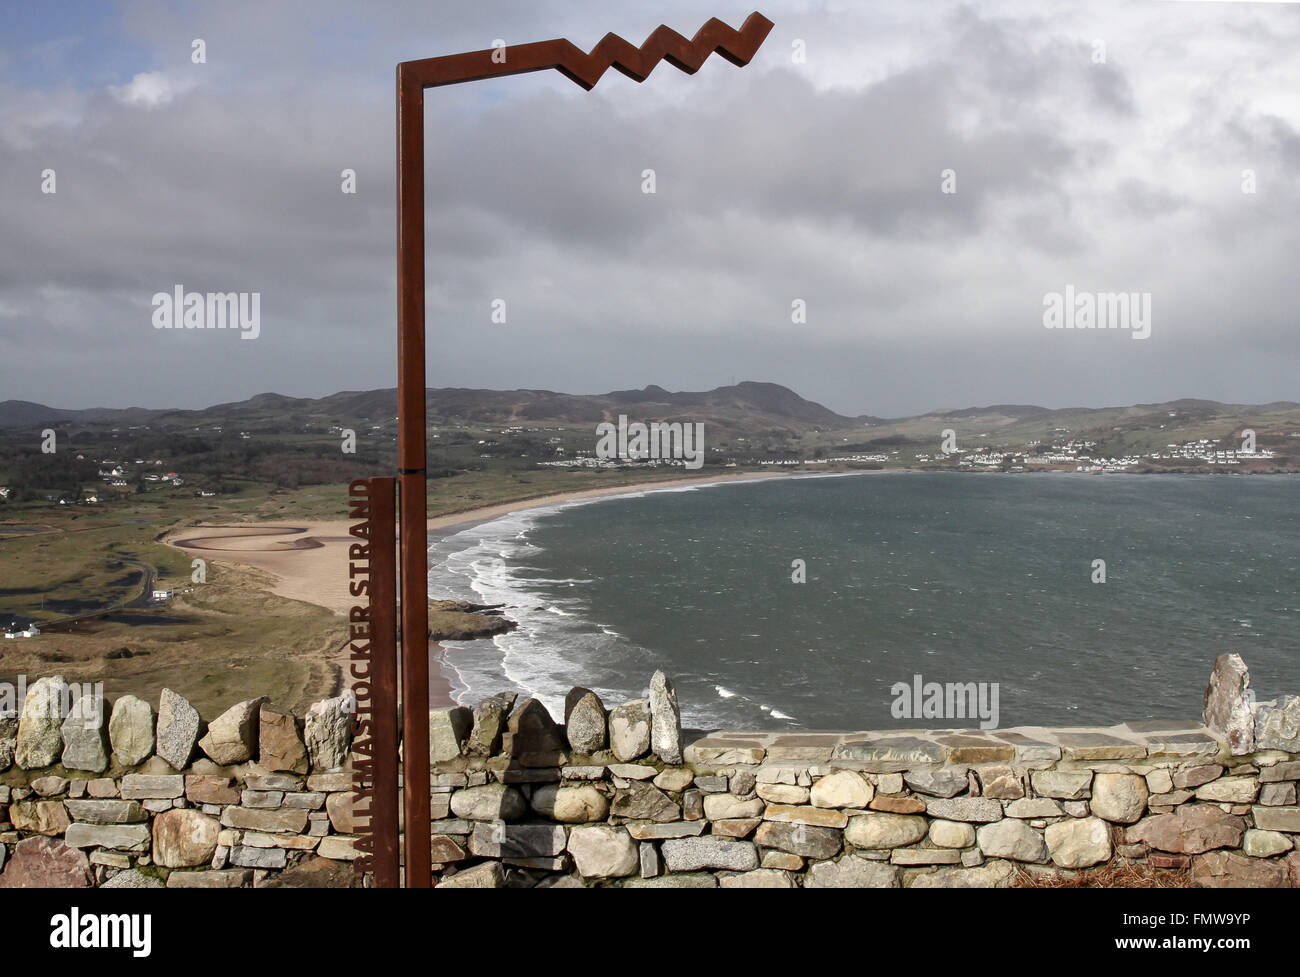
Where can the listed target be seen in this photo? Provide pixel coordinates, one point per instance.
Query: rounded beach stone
(1119, 797)
(879, 830)
(1078, 842)
(952, 834)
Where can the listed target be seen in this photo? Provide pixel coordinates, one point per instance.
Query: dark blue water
(955, 577)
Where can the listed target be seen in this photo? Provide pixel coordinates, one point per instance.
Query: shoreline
(308, 559)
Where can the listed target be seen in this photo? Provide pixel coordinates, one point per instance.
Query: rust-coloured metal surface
(665, 44)
(584, 68)
(372, 666)
(383, 680)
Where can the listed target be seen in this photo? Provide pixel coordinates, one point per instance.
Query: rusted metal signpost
(372, 636)
(413, 77)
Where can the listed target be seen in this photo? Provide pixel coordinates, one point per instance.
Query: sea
(907, 579)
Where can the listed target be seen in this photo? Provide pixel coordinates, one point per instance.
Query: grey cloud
(775, 182)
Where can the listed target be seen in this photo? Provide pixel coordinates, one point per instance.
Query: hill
(744, 406)
(738, 417)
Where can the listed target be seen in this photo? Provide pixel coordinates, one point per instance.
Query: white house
(164, 594)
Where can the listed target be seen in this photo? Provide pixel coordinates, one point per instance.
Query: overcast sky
(1095, 145)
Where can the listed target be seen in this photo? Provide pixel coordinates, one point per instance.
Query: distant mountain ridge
(748, 406)
(739, 404)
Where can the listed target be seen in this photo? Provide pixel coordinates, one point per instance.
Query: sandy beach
(308, 560)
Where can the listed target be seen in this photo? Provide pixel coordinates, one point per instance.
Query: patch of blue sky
(69, 43)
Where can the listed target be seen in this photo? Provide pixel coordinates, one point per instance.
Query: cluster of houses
(847, 459)
(1060, 454)
(1206, 451)
(993, 459)
(1109, 464)
(114, 475)
(587, 460)
(1209, 452)
(1077, 454)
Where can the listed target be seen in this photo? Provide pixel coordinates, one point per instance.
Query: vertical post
(411, 470)
(383, 681)
(413, 77)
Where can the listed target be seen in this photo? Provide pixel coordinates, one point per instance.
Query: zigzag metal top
(665, 44)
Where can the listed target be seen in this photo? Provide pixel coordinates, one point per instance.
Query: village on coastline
(1073, 455)
(1069, 456)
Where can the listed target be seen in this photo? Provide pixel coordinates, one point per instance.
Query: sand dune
(309, 560)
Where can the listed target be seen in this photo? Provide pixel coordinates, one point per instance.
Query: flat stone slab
(1280, 772)
(977, 809)
(107, 811)
(1029, 747)
(1166, 726)
(120, 837)
(516, 841)
(1098, 746)
(287, 821)
(633, 771)
(528, 775)
(1193, 744)
(938, 782)
(330, 781)
(714, 751)
(799, 754)
(825, 738)
(1277, 818)
(733, 737)
(925, 856)
(803, 814)
(649, 830)
(694, 854)
(139, 786)
(582, 773)
(1035, 807)
(890, 754)
(894, 751)
(970, 748)
(803, 747)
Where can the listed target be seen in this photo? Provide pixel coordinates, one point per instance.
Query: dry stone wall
(624, 797)
(130, 798)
